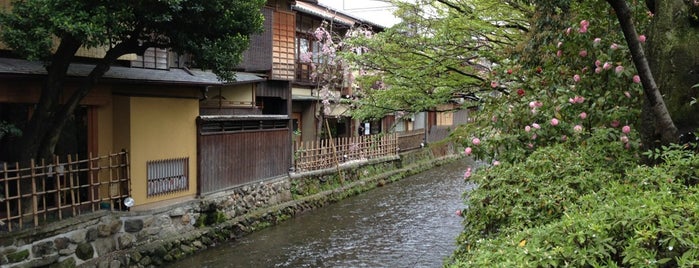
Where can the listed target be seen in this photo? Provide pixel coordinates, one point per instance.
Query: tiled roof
(9, 66)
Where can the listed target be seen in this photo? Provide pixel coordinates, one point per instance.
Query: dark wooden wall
(232, 159)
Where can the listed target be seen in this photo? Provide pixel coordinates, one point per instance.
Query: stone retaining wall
(154, 238)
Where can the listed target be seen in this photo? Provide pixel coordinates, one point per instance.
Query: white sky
(376, 11)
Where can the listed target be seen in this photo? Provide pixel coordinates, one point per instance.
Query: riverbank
(153, 238)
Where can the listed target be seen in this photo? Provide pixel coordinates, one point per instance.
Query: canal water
(409, 223)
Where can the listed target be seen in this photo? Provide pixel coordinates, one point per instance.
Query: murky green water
(409, 223)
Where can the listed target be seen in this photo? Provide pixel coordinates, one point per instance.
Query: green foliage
(540, 190)
(215, 32)
(436, 51)
(9, 129)
(646, 219)
(587, 83)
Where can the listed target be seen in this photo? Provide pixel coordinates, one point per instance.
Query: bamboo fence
(46, 192)
(315, 155)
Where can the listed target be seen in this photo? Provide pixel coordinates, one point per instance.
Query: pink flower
(607, 66)
(576, 78)
(583, 115)
(536, 126)
(559, 44)
(583, 26)
(598, 63)
(534, 137)
(535, 104)
(596, 41)
(530, 145)
(476, 141)
(627, 94)
(619, 69)
(559, 53)
(614, 123)
(564, 138)
(458, 212)
(583, 53)
(598, 70)
(624, 139)
(554, 122)
(467, 174)
(626, 129)
(494, 84)
(636, 79)
(494, 119)
(496, 163)
(468, 151)
(577, 128)
(576, 99)
(614, 46)
(568, 31)
(642, 38)
(527, 128)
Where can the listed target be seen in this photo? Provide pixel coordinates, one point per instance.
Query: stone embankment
(159, 236)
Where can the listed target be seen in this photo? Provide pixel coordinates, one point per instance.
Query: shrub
(648, 218)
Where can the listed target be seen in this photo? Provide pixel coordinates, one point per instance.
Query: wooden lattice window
(168, 176)
(152, 58)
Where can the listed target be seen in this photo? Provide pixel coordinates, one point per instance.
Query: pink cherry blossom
(554, 122)
(458, 211)
(607, 66)
(577, 128)
(614, 46)
(598, 63)
(598, 70)
(636, 79)
(527, 128)
(583, 115)
(493, 84)
(536, 126)
(596, 41)
(583, 53)
(476, 141)
(534, 137)
(559, 53)
(468, 151)
(532, 104)
(626, 129)
(576, 99)
(576, 78)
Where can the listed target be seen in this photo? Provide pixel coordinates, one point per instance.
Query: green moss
(18, 256)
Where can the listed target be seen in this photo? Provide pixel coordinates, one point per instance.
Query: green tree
(441, 47)
(214, 32)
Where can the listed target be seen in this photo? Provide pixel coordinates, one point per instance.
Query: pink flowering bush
(587, 83)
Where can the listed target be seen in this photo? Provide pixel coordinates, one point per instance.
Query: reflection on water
(409, 223)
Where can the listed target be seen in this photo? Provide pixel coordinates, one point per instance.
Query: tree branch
(654, 98)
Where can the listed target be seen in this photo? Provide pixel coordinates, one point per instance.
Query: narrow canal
(409, 223)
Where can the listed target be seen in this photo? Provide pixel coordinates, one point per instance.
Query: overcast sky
(376, 11)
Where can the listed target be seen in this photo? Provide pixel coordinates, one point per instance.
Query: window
(153, 58)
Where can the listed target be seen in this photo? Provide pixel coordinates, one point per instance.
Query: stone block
(104, 246)
(17, 256)
(133, 225)
(84, 251)
(43, 248)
